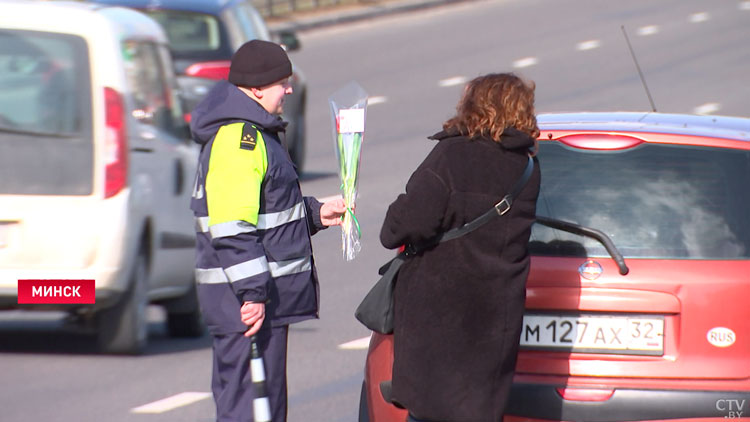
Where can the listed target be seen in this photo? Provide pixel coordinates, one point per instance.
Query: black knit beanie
(259, 63)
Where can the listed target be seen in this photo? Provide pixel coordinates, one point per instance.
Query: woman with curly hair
(459, 305)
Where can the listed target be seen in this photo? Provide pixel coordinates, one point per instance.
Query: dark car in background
(636, 302)
(203, 35)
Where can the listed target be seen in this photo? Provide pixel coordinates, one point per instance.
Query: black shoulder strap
(501, 208)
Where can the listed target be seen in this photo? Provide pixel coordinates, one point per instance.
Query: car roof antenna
(635, 60)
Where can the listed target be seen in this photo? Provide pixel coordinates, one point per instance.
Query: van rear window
(653, 201)
(46, 142)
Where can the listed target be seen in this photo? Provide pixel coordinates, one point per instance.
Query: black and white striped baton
(261, 404)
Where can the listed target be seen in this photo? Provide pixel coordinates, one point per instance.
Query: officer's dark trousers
(232, 382)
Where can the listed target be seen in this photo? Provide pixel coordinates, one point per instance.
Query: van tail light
(210, 70)
(115, 144)
(585, 394)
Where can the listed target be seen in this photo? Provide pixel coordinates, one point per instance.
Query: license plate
(642, 335)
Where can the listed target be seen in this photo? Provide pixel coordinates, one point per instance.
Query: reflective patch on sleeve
(210, 276)
(247, 269)
(235, 176)
(275, 219)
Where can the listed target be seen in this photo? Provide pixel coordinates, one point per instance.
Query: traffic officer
(254, 263)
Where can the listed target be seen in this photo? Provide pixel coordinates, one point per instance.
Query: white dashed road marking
(648, 30)
(707, 108)
(525, 62)
(698, 17)
(171, 403)
(588, 45)
(190, 397)
(376, 100)
(359, 344)
(745, 5)
(456, 80)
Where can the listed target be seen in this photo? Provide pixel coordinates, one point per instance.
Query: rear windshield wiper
(587, 232)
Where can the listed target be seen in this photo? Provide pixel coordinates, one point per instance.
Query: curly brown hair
(493, 102)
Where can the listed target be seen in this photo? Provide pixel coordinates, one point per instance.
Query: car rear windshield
(653, 201)
(46, 142)
(193, 36)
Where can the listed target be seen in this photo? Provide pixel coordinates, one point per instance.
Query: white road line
(698, 17)
(456, 80)
(648, 30)
(329, 198)
(745, 5)
(359, 344)
(588, 45)
(525, 62)
(707, 108)
(171, 403)
(376, 100)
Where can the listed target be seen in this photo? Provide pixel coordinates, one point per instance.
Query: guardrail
(279, 8)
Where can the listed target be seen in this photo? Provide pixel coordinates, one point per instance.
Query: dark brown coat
(459, 306)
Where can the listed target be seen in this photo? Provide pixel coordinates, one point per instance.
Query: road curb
(335, 17)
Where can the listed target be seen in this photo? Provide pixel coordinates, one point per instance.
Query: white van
(96, 167)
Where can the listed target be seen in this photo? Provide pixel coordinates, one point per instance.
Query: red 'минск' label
(56, 291)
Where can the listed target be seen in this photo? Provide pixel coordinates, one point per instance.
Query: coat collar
(511, 138)
(225, 104)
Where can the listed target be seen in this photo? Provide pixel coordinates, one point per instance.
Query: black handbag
(376, 309)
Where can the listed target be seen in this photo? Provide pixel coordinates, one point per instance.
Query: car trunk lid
(703, 320)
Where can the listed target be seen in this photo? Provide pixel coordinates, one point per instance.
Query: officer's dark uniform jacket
(253, 224)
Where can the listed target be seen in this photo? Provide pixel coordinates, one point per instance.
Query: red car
(638, 299)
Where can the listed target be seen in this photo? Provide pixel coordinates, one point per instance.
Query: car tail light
(585, 394)
(115, 144)
(210, 70)
(600, 141)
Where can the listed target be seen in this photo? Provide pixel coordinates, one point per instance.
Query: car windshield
(191, 35)
(653, 201)
(46, 143)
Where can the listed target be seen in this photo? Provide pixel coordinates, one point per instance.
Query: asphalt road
(693, 54)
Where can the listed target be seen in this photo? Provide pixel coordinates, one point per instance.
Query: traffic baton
(261, 404)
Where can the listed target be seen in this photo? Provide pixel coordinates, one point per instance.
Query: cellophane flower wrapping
(348, 112)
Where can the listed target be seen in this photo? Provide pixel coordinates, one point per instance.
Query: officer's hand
(252, 315)
(331, 212)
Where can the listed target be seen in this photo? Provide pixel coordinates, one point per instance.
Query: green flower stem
(356, 222)
(349, 149)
